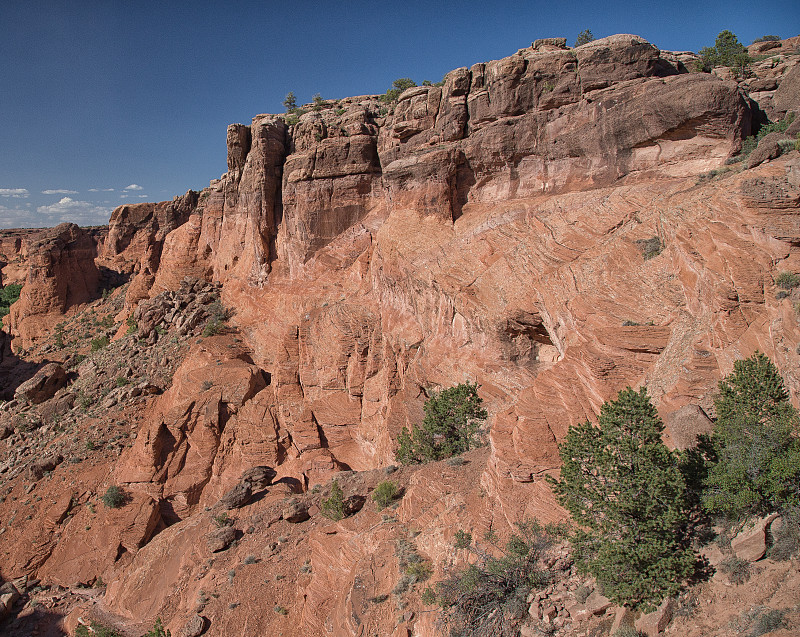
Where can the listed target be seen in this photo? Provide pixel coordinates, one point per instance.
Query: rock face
(544, 225)
(61, 274)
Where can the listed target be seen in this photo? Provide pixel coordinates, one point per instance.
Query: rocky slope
(555, 225)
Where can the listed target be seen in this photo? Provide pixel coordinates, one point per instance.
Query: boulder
(768, 148)
(194, 627)
(751, 542)
(654, 623)
(220, 539)
(43, 385)
(237, 497)
(259, 477)
(37, 468)
(296, 512)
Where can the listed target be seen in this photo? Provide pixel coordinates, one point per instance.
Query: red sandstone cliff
(493, 229)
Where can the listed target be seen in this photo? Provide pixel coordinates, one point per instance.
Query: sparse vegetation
(333, 506)
(451, 426)
(787, 280)
(280, 610)
(95, 630)
(767, 38)
(737, 569)
(9, 294)
(114, 497)
(584, 37)
(385, 493)
(650, 248)
(398, 86)
(101, 342)
(484, 597)
(158, 630)
(625, 492)
(223, 519)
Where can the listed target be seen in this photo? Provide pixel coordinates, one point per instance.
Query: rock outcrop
(61, 274)
(554, 226)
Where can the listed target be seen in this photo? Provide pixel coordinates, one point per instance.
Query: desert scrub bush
(114, 497)
(101, 342)
(133, 327)
(737, 569)
(333, 506)
(626, 631)
(785, 538)
(413, 566)
(398, 86)
(451, 426)
(280, 610)
(787, 280)
(223, 519)
(756, 444)
(626, 494)
(95, 630)
(765, 620)
(650, 248)
(485, 597)
(9, 294)
(385, 493)
(158, 630)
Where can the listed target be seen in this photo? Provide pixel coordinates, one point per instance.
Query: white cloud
(123, 196)
(101, 190)
(133, 187)
(59, 192)
(143, 196)
(83, 213)
(19, 218)
(17, 193)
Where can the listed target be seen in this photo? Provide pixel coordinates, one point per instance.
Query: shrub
(385, 493)
(485, 597)
(451, 426)
(462, 539)
(101, 342)
(281, 610)
(767, 620)
(650, 248)
(584, 37)
(158, 630)
(756, 442)
(398, 86)
(737, 569)
(114, 497)
(767, 38)
(223, 519)
(333, 506)
(132, 325)
(9, 294)
(786, 538)
(95, 630)
(626, 493)
(787, 280)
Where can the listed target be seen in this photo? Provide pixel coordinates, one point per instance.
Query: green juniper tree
(727, 51)
(625, 492)
(453, 418)
(756, 442)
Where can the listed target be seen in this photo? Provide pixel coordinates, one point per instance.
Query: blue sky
(105, 103)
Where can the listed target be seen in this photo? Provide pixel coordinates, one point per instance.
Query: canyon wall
(554, 226)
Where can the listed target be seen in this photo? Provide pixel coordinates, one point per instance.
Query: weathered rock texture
(545, 225)
(61, 275)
